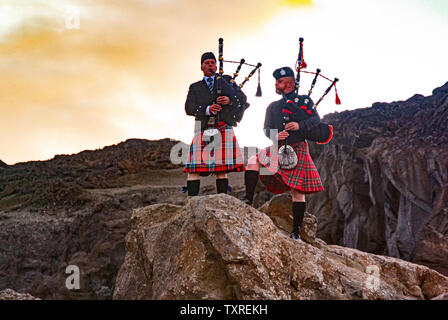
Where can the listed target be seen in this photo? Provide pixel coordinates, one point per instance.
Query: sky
(83, 74)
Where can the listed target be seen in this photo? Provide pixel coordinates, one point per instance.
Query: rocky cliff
(386, 180)
(385, 175)
(216, 247)
(75, 210)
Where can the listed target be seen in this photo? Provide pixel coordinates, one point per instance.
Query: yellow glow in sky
(298, 2)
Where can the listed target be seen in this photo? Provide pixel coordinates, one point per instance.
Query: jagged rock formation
(2, 164)
(9, 294)
(386, 178)
(45, 225)
(216, 247)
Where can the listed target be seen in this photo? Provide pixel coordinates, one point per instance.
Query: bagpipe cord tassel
(338, 101)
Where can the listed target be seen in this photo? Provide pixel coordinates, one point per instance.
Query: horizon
(82, 75)
(172, 139)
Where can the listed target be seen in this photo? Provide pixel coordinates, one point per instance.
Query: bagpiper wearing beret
(291, 117)
(214, 149)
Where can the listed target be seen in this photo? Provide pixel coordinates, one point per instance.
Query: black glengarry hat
(283, 72)
(207, 55)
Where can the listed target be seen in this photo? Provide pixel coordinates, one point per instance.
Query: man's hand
(214, 108)
(292, 126)
(223, 100)
(282, 135)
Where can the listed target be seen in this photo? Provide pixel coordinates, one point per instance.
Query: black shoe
(295, 235)
(247, 201)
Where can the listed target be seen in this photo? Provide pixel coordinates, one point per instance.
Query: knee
(253, 163)
(297, 196)
(221, 176)
(193, 176)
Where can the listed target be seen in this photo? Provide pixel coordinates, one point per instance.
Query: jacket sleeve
(269, 122)
(192, 106)
(311, 122)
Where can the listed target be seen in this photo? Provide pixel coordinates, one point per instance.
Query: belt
(212, 123)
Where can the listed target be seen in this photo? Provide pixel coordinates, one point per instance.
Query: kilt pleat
(216, 155)
(304, 177)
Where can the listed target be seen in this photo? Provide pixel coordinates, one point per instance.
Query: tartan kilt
(215, 156)
(304, 177)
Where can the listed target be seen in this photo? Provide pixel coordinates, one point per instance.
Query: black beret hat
(207, 55)
(283, 72)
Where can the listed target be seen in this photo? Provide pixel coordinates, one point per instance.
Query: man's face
(284, 85)
(209, 67)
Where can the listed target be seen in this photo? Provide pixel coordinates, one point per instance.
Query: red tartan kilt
(224, 156)
(304, 177)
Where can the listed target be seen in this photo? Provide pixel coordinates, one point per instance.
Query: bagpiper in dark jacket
(307, 117)
(199, 97)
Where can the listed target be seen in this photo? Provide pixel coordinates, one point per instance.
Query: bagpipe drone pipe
(321, 133)
(227, 86)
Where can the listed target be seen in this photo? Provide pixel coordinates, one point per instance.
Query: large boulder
(216, 247)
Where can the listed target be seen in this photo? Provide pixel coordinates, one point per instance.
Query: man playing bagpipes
(218, 104)
(214, 149)
(303, 178)
(289, 123)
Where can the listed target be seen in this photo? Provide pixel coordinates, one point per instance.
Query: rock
(279, 209)
(443, 296)
(216, 247)
(2, 164)
(61, 182)
(386, 180)
(8, 294)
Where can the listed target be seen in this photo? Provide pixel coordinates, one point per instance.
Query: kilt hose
(304, 177)
(218, 154)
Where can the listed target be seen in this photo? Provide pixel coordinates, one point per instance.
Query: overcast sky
(123, 71)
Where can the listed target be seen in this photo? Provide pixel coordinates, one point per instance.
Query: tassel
(258, 94)
(184, 189)
(338, 101)
(229, 188)
(303, 65)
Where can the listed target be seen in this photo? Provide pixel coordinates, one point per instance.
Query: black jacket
(279, 113)
(199, 97)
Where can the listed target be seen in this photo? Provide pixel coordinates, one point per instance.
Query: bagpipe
(322, 133)
(227, 86)
(303, 105)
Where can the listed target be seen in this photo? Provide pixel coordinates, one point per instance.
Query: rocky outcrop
(9, 294)
(2, 164)
(37, 247)
(386, 179)
(216, 247)
(61, 182)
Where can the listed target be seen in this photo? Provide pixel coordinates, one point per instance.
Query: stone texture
(385, 175)
(9, 294)
(216, 247)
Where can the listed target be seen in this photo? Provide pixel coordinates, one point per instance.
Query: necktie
(210, 84)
